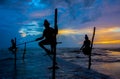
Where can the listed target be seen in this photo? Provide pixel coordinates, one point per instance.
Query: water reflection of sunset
(114, 53)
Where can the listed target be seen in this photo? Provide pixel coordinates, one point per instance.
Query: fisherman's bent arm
(40, 38)
(82, 46)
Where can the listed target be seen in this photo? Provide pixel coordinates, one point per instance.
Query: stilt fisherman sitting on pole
(13, 47)
(49, 38)
(86, 46)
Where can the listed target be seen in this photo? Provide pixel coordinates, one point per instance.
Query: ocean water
(34, 65)
(110, 64)
(103, 61)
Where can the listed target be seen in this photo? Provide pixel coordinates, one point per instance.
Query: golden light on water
(114, 53)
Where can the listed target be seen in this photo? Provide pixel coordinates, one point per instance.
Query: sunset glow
(73, 31)
(24, 19)
(108, 35)
(108, 42)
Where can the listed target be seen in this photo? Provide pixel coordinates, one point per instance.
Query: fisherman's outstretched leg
(41, 44)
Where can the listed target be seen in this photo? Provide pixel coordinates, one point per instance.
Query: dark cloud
(7, 2)
(88, 3)
(86, 20)
(2, 2)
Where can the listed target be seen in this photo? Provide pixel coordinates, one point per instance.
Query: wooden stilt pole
(15, 52)
(54, 56)
(24, 51)
(89, 66)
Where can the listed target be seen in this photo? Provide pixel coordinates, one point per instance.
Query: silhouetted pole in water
(24, 51)
(25, 43)
(54, 56)
(89, 65)
(15, 51)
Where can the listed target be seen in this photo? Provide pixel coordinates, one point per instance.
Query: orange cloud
(112, 29)
(73, 31)
(108, 35)
(108, 42)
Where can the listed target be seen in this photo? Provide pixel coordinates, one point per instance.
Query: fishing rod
(26, 42)
(34, 41)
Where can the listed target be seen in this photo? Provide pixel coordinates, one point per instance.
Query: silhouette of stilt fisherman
(86, 49)
(49, 38)
(13, 46)
(13, 49)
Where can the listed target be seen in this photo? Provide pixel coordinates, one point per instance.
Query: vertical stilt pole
(54, 56)
(15, 51)
(89, 66)
(24, 51)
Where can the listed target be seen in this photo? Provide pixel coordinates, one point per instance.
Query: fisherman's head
(46, 23)
(12, 40)
(86, 37)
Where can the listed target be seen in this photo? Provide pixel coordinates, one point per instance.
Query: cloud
(2, 2)
(82, 11)
(73, 31)
(30, 29)
(41, 14)
(108, 42)
(75, 18)
(88, 3)
(25, 32)
(109, 35)
(38, 4)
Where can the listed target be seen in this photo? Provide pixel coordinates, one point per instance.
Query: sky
(24, 19)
